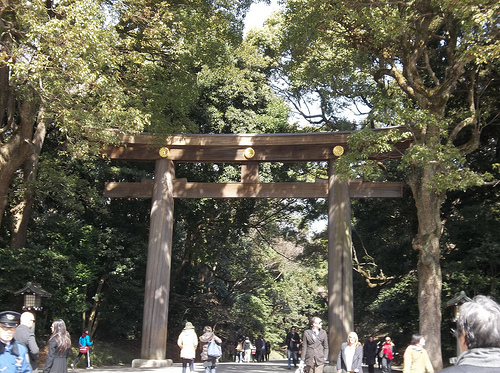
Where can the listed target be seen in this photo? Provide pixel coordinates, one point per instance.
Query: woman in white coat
(188, 341)
(351, 355)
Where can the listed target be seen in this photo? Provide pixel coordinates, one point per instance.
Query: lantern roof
(459, 299)
(31, 288)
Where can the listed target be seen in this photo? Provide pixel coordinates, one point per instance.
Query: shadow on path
(264, 367)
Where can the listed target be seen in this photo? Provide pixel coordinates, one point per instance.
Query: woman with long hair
(59, 346)
(351, 355)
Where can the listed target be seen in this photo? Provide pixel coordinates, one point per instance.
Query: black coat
(292, 345)
(56, 362)
(370, 351)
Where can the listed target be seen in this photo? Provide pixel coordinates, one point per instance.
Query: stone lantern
(456, 302)
(33, 294)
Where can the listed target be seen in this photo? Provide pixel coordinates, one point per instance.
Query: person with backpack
(208, 358)
(247, 350)
(83, 349)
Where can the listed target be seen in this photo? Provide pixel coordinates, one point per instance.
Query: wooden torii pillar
(248, 150)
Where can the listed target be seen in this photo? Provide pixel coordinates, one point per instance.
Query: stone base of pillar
(329, 368)
(146, 363)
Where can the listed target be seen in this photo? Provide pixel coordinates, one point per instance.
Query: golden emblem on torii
(164, 152)
(338, 151)
(249, 153)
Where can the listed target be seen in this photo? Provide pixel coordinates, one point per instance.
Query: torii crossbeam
(249, 150)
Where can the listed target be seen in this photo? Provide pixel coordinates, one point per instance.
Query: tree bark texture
(15, 152)
(426, 243)
(21, 213)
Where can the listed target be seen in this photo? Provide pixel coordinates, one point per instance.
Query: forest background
(75, 74)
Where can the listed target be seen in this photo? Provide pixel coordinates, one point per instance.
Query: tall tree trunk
(16, 150)
(94, 313)
(426, 243)
(21, 213)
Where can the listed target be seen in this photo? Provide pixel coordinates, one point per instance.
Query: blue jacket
(14, 358)
(84, 340)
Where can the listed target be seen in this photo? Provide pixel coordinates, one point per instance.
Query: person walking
(370, 353)
(350, 355)
(292, 342)
(13, 355)
(239, 351)
(25, 335)
(59, 346)
(415, 357)
(260, 348)
(209, 362)
(84, 344)
(387, 354)
(315, 347)
(268, 350)
(188, 341)
(247, 350)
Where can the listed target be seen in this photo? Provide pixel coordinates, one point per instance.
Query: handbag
(84, 349)
(214, 350)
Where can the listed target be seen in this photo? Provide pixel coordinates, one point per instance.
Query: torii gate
(248, 150)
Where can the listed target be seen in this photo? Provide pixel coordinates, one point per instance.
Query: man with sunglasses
(478, 334)
(315, 347)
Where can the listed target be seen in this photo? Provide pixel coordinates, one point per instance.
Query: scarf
(387, 349)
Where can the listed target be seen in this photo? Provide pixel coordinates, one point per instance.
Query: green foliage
(358, 162)
(69, 57)
(247, 267)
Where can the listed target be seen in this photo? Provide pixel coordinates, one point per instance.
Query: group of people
(382, 352)
(244, 351)
(19, 351)
(188, 343)
(477, 332)
(478, 336)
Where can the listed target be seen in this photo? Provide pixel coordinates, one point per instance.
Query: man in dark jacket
(292, 342)
(478, 334)
(24, 334)
(315, 347)
(370, 352)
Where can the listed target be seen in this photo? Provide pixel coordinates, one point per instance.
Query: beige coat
(416, 360)
(188, 341)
